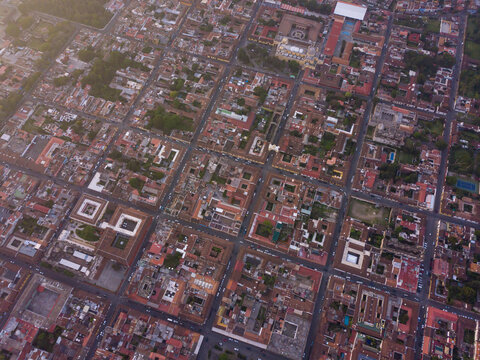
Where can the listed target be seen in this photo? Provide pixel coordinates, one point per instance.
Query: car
(236, 349)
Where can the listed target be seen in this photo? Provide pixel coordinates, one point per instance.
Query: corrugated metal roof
(350, 10)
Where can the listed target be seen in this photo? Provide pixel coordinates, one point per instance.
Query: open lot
(111, 277)
(43, 302)
(368, 212)
(472, 49)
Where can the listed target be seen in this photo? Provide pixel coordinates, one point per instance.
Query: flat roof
(352, 258)
(350, 10)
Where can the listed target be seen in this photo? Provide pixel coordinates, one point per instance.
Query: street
(212, 338)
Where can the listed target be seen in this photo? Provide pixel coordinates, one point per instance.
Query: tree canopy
(88, 12)
(103, 71)
(160, 119)
(426, 64)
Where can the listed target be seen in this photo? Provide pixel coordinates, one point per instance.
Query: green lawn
(370, 131)
(405, 158)
(35, 43)
(433, 25)
(88, 233)
(461, 161)
(472, 49)
(434, 127)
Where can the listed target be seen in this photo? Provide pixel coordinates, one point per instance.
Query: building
(392, 124)
(351, 11)
(297, 40)
(89, 209)
(123, 235)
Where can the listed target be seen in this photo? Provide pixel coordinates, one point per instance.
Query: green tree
(12, 30)
(172, 260)
(225, 20)
(441, 144)
(136, 183)
(25, 22)
(403, 318)
(87, 54)
(451, 180)
(269, 280)
(88, 12)
(103, 71)
(388, 171)
(243, 56)
(88, 232)
(294, 66)
(265, 229)
(61, 81)
(167, 121)
(261, 93)
(134, 165)
(177, 85)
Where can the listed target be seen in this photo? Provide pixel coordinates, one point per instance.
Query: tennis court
(466, 185)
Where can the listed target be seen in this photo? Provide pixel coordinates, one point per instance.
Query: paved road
(347, 192)
(212, 338)
(432, 225)
(451, 114)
